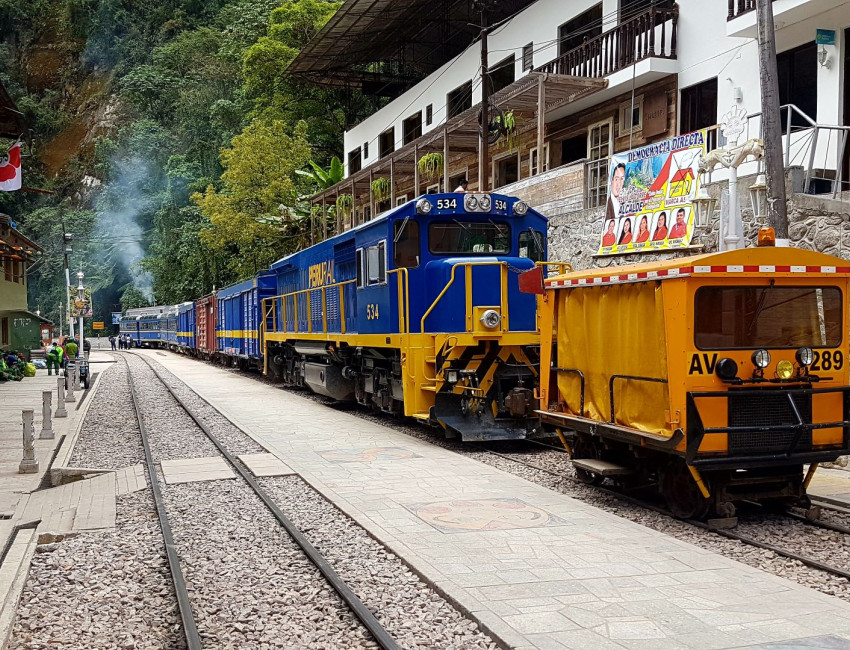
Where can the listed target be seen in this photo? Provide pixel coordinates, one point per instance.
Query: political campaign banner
(651, 192)
(81, 307)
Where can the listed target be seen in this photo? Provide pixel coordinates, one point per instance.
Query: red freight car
(206, 315)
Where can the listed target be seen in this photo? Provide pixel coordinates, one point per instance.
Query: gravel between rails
(105, 590)
(283, 596)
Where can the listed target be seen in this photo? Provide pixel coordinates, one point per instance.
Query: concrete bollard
(46, 416)
(29, 465)
(69, 396)
(77, 375)
(60, 406)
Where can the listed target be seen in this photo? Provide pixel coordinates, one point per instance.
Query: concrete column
(29, 465)
(77, 374)
(46, 413)
(60, 404)
(69, 397)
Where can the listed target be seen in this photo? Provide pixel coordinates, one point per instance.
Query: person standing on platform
(112, 341)
(71, 349)
(54, 358)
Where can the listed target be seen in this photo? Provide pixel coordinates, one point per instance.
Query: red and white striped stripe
(686, 271)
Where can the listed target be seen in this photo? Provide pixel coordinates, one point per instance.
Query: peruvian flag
(10, 169)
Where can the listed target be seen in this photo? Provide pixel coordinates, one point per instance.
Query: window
(433, 189)
(460, 99)
(532, 245)
(631, 116)
(767, 316)
(454, 180)
(401, 200)
(528, 57)
(7, 267)
(412, 127)
(376, 264)
(358, 261)
(365, 150)
(574, 149)
(386, 142)
(4, 331)
(699, 106)
(503, 74)
(598, 152)
(355, 162)
(582, 28)
(507, 171)
(406, 244)
(469, 237)
(798, 83)
(429, 114)
(533, 160)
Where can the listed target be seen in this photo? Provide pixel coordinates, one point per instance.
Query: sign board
(651, 191)
(825, 37)
(80, 307)
(116, 317)
(97, 325)
(654, 114)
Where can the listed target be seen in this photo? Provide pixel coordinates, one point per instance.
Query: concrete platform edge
(13, 577)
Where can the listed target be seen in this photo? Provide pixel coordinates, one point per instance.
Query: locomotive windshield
(469, 237)
(767, 316)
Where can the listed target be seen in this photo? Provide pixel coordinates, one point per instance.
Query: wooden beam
(541, 119)
(415, 170)
(446, 187)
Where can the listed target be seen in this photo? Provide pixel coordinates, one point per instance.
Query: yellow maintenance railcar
(716, 376)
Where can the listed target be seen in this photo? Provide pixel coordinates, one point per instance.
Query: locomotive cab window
(372, 265)
(767, 316)
(531, 245)
(469, 237)
(406, 244)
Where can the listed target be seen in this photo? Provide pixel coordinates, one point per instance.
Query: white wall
(704, 51)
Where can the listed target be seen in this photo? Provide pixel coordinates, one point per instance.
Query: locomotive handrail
(563, 267)
(468, 291)
(403, 292)
(654, 380)
(294, 294)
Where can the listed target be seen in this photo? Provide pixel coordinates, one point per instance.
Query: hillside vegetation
(169, 136)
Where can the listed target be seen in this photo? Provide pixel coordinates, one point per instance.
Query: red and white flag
(10, 169)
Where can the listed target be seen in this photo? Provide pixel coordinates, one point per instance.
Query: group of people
(13, 366)
(57, 354)
(123, 341)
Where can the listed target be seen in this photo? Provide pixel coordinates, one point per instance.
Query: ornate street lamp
(704, 204)
(758, 196)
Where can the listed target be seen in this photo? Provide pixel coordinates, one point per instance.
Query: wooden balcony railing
(740, 7)
(647, 35)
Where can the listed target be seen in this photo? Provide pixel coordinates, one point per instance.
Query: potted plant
(381, 189)
(344, 203)
(431, 166)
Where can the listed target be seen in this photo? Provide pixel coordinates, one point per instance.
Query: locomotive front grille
(767, 409)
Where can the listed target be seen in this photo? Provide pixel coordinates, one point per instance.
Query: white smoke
(123, 200)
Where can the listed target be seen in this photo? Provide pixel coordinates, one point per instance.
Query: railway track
(193, 639)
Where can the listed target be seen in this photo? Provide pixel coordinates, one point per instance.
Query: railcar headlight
(805, 356)
(484, 202)
(761, 358)
(520, 208)
(726, 369)
(491, 319)
(451, 376)
(470, 203)
(424, 206)
(784, 369)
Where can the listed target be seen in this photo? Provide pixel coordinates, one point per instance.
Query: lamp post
(81, 298)
(704, 204)
(758, 196)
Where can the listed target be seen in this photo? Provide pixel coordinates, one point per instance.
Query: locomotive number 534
(372, 312)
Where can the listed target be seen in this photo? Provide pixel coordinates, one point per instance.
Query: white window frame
(400, 200)
(366, 280)
(601, 189)
(494, 167)
(455, 175)
(624, 115)
(532, 166)
(435, 187)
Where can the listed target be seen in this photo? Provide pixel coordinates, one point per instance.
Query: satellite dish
(496, 128)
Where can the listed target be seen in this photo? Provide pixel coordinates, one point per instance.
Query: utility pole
(777, 213)
(67, 238)
(484, 138)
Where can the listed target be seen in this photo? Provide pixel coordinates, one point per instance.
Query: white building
(613, 75)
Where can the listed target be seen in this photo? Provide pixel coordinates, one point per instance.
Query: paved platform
(536, 568)
(832, 483)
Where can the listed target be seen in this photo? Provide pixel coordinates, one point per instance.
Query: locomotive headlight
(805, 356)
(451, 376)
(784, 369)
(520, 208)
(491, 319)
(727, 369)
(761, 358)
(484, 202)
(424, 206)
(470, 203)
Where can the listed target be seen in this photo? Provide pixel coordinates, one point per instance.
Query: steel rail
(804, 559)
(364, 615)
(190, 628)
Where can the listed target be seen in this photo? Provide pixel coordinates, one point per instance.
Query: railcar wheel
(584, 447)
(682, 494)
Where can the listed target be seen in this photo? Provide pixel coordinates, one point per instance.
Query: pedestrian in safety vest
(54, 358)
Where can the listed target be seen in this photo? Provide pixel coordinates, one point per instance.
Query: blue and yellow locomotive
(418, 313)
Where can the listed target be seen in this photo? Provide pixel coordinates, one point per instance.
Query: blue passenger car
(186, 326)
(418, 312)
(239, 319)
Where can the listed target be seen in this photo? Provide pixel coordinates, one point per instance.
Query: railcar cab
(719, 375)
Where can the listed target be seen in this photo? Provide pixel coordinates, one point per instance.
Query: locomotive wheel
(584, 447)
(681, 492)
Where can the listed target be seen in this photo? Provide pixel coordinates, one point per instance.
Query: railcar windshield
(767, 316)
(467, 237)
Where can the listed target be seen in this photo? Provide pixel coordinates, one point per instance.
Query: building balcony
(741, 14)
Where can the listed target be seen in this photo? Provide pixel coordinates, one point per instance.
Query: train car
(206, 312)
(186, 327)
(716, 377)
(418, 313)
(168, 328)
(142, 324)
(240, 318)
